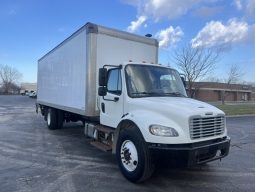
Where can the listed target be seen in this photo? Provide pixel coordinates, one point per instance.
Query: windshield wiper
(177, 94)
(146, 93)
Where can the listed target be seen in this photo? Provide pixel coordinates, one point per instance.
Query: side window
(114, 81)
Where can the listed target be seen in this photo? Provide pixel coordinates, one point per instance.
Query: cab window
(114, 82)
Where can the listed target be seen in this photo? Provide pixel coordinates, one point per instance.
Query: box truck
(129, 104)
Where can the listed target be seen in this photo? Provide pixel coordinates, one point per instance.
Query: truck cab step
(101, 146)
(104, 129)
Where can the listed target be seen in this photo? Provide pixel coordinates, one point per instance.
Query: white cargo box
(67, 75)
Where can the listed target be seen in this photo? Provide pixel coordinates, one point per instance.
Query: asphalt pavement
(33, 158)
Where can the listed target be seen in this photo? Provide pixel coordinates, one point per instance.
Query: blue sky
(30, 28)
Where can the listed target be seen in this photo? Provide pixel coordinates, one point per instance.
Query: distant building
(212, 91)
(253, 93)
(28, 87)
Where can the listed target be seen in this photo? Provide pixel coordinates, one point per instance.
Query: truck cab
(149, 107)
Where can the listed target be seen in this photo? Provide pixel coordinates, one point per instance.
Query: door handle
(115, 99)
(103, 107)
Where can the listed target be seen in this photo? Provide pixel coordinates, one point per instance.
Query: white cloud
(247, 5)
(158, 9)
(134, 25)
(163, 9)
(215, 33)
(238, 4)
(169, 9)
(250, 7)
(250, 37)
(169, 36)
(207, 11)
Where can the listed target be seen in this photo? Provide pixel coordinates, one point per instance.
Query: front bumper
(197, 153)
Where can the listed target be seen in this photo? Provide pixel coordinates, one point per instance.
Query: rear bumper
(197, 153)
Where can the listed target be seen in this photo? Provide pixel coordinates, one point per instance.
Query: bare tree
(9, 76)
(196, 63)
(213, 79)
(233, 76)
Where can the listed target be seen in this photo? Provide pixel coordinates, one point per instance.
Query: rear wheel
(133, 155)
(52, 118)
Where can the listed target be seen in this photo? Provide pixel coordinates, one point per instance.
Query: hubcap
(128, 154)
(48, 118)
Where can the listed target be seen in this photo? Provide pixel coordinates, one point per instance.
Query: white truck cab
(151, 101)
(132, 109)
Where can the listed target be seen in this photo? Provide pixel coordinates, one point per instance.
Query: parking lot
(33, 158)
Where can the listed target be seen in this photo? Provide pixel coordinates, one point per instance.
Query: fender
(143, 119)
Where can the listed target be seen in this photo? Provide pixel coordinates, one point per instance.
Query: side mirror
(183, 81)
(102, 91)
(102, 77)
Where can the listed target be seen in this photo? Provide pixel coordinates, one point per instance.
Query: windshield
(153, 81)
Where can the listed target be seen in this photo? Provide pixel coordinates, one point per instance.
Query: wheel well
(43, 109)
(122, 125)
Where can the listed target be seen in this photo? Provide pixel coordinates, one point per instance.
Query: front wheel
(128, 154)
(133, 155)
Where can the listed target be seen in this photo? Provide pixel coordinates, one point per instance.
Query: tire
(52, 122)
(44, 112)
(60, 119)
(133, 155)
(83, 123)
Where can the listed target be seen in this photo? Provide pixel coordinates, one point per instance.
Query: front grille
(202, 127)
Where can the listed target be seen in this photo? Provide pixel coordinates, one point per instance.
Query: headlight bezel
(163, 131)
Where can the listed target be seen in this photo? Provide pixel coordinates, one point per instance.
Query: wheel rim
(128, 154)
(48, 118)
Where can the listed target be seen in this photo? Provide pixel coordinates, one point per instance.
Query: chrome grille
(202, 127)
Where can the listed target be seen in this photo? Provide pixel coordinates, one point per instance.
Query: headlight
(160, 130)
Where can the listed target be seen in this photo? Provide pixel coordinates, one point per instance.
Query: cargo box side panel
(61, 75)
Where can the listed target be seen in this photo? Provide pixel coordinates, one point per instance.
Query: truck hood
(177, 105)
(174, 112)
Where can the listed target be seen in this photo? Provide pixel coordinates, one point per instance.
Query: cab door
(111, 105)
